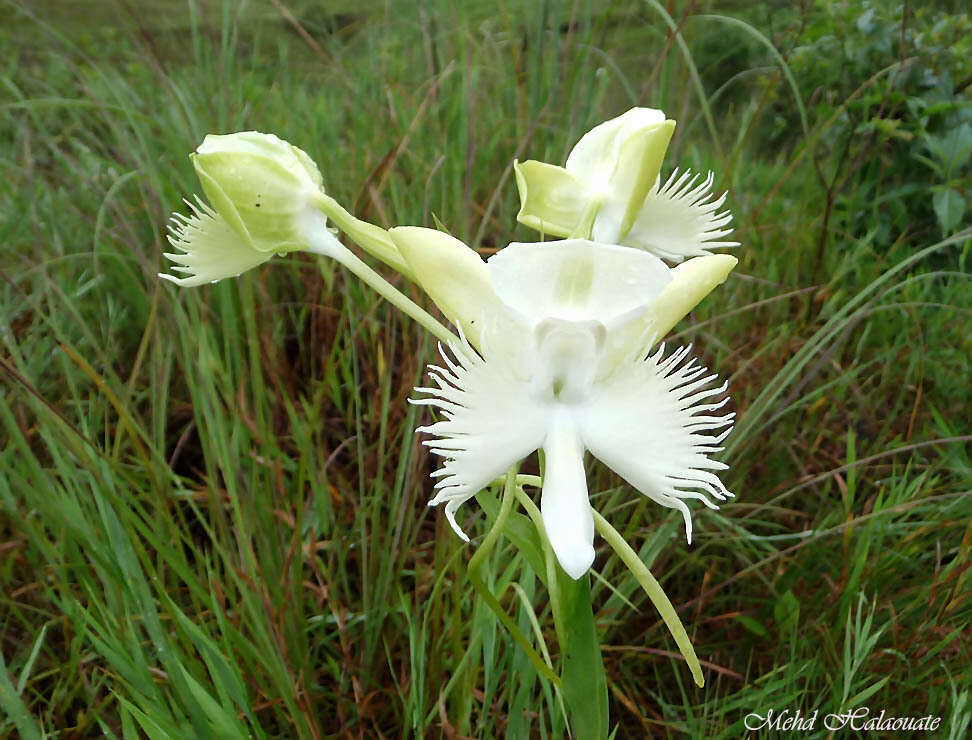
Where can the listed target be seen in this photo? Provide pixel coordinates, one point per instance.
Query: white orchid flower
(564, 365)
(267, 199)
(263, 193)
(611, 188)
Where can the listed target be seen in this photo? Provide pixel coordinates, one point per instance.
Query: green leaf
(476, 575)
(786, 611)
(655, 593)
(584, 682)
(960, 139)
(949, 207)
(751, 624)
(13, 706)
(862, 696)
(155, 728)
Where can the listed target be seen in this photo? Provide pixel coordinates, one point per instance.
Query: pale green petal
(618, 161)
(209, 250)
(567, 517)
(594, 158)
(652, 423)
(551, 199)
(576, 279)
(233, 157)
(260, 184)
(257, 143)
(681, 219)
(222, 204)
(457, 279)
(453, 275)
(639, 161)
(691, 282)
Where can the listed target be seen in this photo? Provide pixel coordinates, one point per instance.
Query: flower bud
(262, 187)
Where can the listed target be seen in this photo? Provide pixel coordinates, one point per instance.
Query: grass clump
(212, 507)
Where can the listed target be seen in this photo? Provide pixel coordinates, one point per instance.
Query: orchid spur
(564, 332)
(611, 187)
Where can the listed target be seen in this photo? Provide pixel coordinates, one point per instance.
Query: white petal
(576, 280)
(489, 422)
(681, 219)
(566, 510)
(209, 250)
(649, 422)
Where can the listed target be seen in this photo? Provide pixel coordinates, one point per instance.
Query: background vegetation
(212, 503)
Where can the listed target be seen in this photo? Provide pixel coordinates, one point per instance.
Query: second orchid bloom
(611, 189)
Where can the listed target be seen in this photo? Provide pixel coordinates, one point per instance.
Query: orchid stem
(373, 239)
(553, 587)
(389, 292)
(475, 574)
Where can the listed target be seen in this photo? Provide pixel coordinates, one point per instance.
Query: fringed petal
(489, 421)
(209, 250)
(681, 219)
(650, 423)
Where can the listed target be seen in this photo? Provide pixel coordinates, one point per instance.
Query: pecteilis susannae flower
(557, 339)
(611, 186)
(557, 354)
(263, 193)
(557, 347)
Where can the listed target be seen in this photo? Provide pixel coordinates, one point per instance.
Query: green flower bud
(262, 187)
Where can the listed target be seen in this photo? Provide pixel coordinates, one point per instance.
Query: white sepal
(577, 279)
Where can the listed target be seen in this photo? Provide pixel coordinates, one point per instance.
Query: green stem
(553, 584)
(373, 239)
(475, 574)
(385, 289)
(584, 682)
(585, 687)
(654, 590)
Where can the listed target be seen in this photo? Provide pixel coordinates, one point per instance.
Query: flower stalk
(381, 286)
(476, 575)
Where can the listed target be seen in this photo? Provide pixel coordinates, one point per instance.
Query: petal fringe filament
(209, 249)
(681, 218)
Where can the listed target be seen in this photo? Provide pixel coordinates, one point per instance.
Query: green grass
(212, 501)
